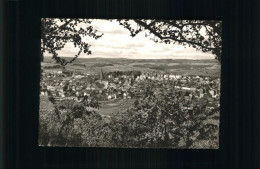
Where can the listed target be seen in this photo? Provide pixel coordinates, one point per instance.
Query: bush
(75, 127)
(157, 119)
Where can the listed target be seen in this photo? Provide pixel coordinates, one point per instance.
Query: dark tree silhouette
(55, 33)
(204, 35)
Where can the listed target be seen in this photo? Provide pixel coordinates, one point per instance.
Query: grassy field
(178, 66)
(108, 108)
(45, 104)
(111, 108)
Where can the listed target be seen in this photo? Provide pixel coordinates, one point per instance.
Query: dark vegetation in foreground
(157, 119)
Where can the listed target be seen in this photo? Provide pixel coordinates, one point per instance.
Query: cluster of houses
(123, 87)
(79, 84)
(200, 85)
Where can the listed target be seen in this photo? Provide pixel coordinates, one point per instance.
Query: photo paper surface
(130, 83)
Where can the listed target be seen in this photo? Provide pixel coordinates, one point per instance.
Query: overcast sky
(117, 43)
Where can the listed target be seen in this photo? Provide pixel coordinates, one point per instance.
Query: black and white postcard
(130, 83)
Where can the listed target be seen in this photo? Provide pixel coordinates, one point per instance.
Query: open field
(45, 104)
(178, 66)
(111, 108)
(108, 108)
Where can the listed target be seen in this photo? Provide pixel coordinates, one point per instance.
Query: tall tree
(55, 33)
(204, 35)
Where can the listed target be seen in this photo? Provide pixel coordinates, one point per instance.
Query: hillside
(179, 66)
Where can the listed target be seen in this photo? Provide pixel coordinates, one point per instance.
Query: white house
(124, 95)
(109, 97)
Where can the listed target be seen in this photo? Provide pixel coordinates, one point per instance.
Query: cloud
(117, 42)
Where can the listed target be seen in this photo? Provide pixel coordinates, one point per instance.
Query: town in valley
(130, 83)
(108, 92)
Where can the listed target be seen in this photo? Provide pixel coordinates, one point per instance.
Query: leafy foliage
(55, 33)
(162, 117)
(159, 119)
(76, 127)
(203, 35)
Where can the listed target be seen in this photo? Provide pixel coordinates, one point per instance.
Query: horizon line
(131, 59)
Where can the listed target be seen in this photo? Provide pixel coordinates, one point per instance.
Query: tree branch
(182, 40)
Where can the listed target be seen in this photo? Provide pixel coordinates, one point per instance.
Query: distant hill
(209, 67)
(111, 60)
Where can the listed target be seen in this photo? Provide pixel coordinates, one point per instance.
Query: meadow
(177, 66)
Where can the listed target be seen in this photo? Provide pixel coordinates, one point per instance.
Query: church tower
(101, 75)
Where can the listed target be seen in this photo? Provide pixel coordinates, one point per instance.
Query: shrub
(160, 118)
